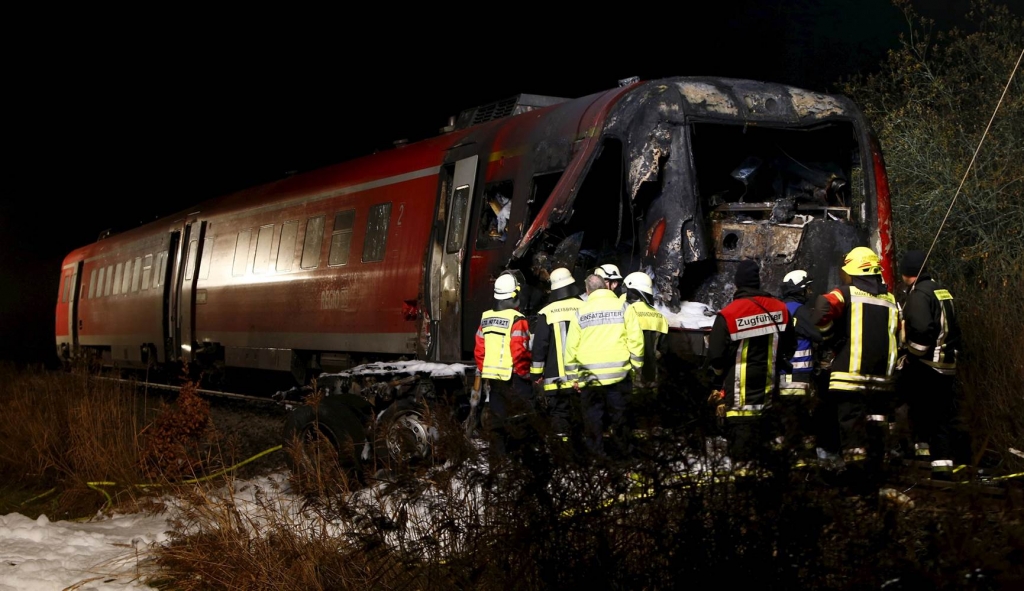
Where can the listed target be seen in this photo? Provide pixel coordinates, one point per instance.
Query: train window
(457, 225)
(92, 284)
(190, 259)
(263, 240)
(493, 228)
(126, 279)
(136, 271)
(376, 240)
(543, 185)
(286, 246)
(147, 270)
(161, 270)
(110, 278)
(117, 278)
(241, 252)
(204, 263)
(99, 282)
(341, 237)
(67, 286)
(311, 243)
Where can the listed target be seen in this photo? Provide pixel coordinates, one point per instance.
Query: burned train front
(694, 175)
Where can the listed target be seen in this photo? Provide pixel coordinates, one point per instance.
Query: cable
(98, 484)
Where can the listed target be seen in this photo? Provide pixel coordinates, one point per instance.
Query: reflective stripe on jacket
(549, 343)
(654, 327)
(502, 345)
(929, 329)
(603, 345)
(869, 322)
(802, 361)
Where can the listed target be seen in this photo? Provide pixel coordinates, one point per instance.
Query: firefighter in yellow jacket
(639, 292)
(503, 361)
(605, 348)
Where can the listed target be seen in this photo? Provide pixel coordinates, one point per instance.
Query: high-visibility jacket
(929, 329)
(549, 342)
(866, 325)
(797, 381)
(603, 345)
(748, 339)
(502, 345)
(655, 327)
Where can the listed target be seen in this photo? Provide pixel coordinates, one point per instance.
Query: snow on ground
(111, 553)
(106, 554)
(435, 370)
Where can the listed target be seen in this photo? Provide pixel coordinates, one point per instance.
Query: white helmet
(506, 287)
(639, 281)
(561, 277)
(608, 271)
(796, 279)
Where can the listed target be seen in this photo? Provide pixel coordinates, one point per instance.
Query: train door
(449, 267)
(187, 251)
(67, 306)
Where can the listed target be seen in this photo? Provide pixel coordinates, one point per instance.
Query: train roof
(704, 96)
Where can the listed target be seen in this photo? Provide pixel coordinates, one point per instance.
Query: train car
(392, 256)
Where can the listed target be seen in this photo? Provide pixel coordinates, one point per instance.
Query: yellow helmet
(862, 261)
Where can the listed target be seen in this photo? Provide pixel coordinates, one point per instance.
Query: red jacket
(519, 344)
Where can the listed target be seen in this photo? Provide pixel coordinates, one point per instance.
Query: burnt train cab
(393, 255)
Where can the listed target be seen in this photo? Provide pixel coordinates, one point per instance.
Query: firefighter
(863, 316)
(549, 354)
(797, 392)
(639, 292)
(605, 348)
(930, 335)
(503, 362)
(612, 278)
(749, 339)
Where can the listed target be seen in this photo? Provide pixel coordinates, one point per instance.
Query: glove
(473, 420)
(716, 397)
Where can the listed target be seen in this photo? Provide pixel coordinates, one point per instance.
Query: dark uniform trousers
(604, 409)
(511, 407)
(932, 412)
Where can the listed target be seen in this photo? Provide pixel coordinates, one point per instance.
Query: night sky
(119, 119)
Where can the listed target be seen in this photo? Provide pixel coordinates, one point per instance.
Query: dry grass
(96, 444)
(540, 521)
(65, 430)
(991, 374)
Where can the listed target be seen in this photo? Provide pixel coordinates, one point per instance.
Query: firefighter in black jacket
(548, 351)
(750, 339)
(930, 334)
(864, 317)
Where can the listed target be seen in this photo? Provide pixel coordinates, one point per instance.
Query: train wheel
(405, 434)
(324, 444)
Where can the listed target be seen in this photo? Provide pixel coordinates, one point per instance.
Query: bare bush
(932, 103)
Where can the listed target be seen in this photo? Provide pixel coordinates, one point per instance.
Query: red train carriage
(392, 255)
